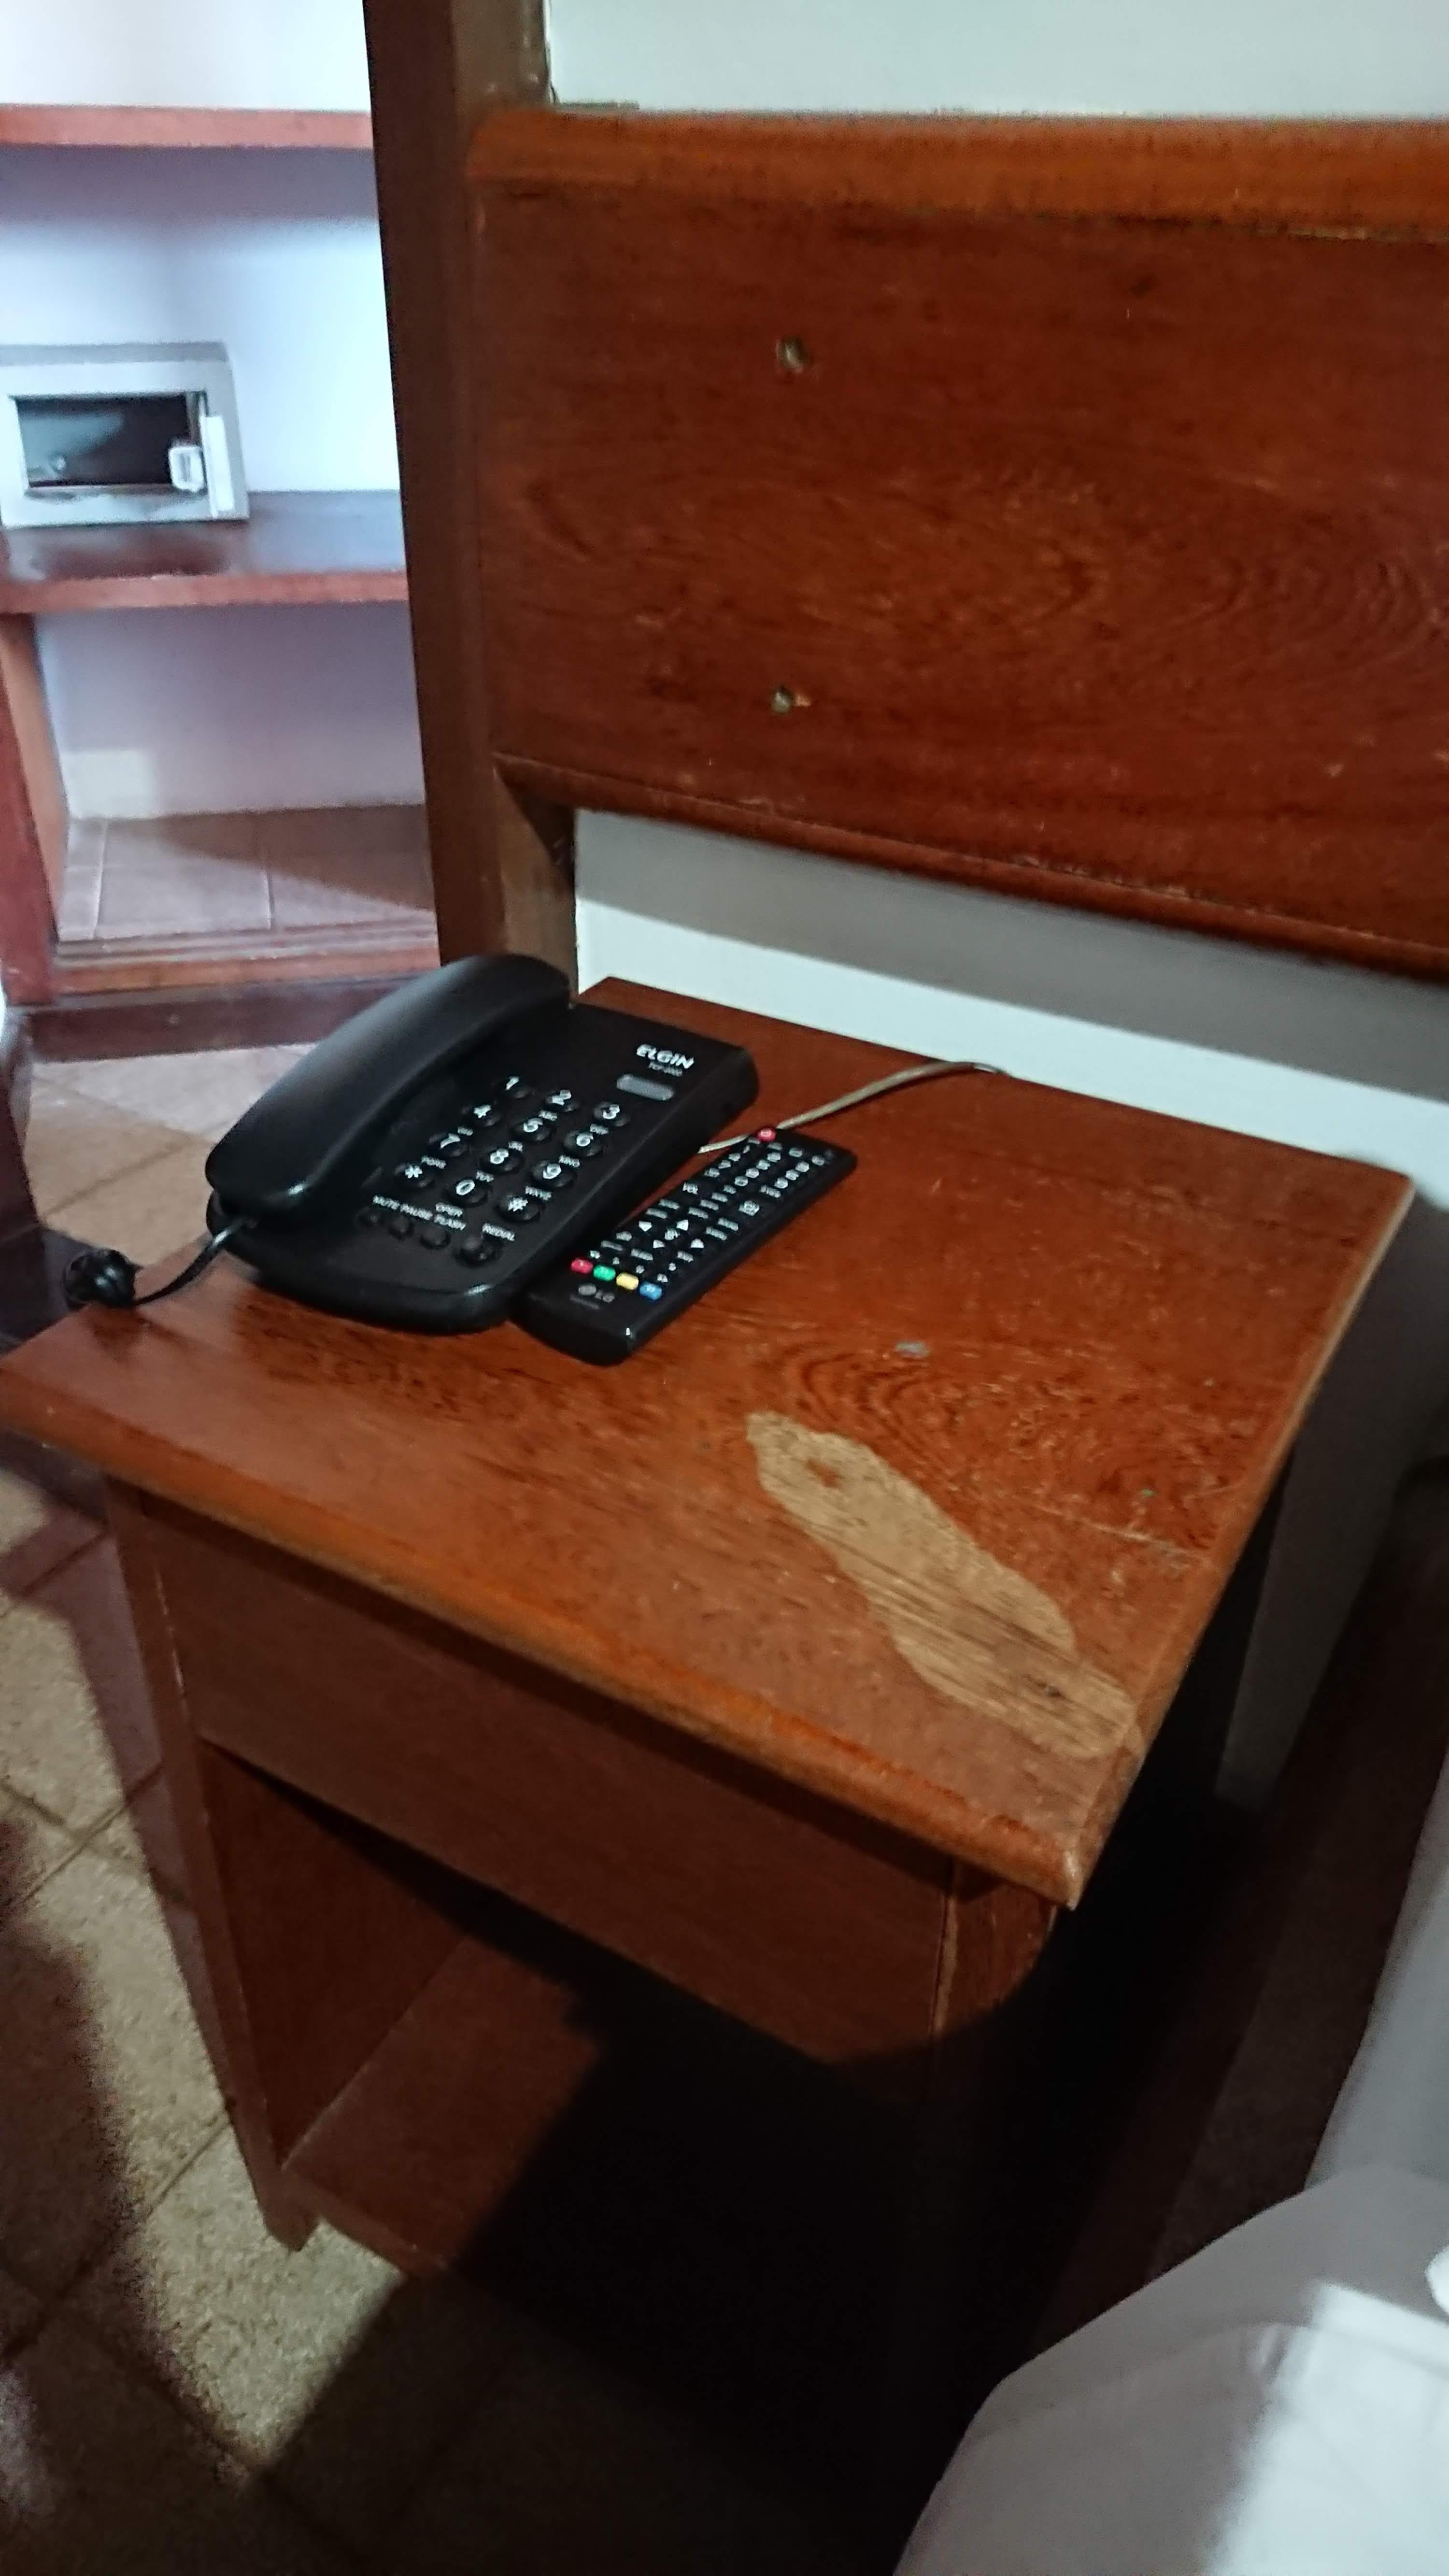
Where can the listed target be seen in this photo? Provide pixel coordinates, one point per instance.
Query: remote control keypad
(659, 1261)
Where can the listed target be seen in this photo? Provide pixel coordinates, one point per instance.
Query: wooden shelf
(297, 548)
(188, 129)
(424, 2145)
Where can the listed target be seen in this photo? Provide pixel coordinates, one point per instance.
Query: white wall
(1325, 1057)
(184, 53)
(273, 706)
(1091, 57)
(276, 255)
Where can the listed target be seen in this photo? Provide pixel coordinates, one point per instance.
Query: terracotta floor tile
(566, 2470)
(146, 1213)
(104, 2478)
(31, 1847)
(197, 1095)
(333, 838)
(73, 1144)
(319, 2363)
(181, 873)
(76, 1730)
(387, 887)
(108, 2091)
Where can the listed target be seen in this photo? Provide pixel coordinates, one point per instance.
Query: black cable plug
(100, 1278)
(108, 1278)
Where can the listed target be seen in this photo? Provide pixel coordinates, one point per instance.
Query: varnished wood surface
(28, 819)
(296, 549)
(1301, 172)
(796, 1916)
(925, 1508)
(502, 865)
(188, 129)
(1057, 509)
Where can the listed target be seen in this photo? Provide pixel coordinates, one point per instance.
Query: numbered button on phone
(609, 1114)
(583, 1141)
(520, 1210)
(504, 1158)
(413, 1173)
(552, 1176)
(469, 1189)
(533, 1128)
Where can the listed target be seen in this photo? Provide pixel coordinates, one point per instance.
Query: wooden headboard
(1061, 508)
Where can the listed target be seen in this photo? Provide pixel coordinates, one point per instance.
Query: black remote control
(609, 1300)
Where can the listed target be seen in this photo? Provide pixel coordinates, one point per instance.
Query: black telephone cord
(108, 1278)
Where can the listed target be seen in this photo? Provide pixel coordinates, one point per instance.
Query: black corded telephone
(422, 1165)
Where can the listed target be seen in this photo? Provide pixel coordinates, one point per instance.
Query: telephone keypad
(482, 1171)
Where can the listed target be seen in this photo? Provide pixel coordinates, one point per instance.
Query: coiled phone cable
(869, 1091)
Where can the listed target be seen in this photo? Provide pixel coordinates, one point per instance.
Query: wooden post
(502, 868)
(33, 820)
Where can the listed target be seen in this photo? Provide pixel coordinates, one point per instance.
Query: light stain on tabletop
(972, 1628)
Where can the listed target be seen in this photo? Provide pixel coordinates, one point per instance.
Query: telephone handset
(422, 1165)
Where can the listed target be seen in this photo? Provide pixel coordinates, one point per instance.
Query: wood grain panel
(502, 864)
(1041, 1360)
(800, 1919)
(901, 492)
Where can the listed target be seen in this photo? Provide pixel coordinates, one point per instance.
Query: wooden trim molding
(1304, 174)
(502, 865)
(188, 129)
(31, 821)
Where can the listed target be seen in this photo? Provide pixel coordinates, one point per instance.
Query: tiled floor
(333, 870)
(179, 2396)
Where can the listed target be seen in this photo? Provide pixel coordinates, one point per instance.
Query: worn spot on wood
(972, 1628)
